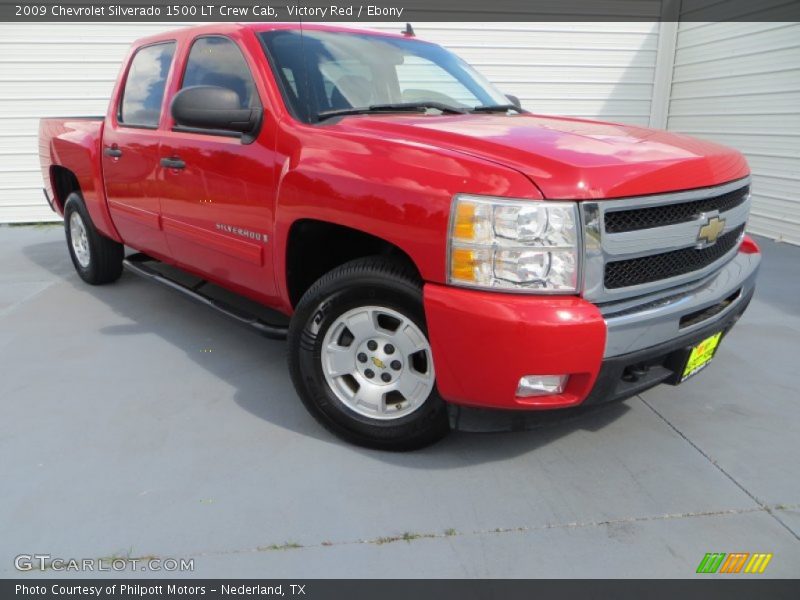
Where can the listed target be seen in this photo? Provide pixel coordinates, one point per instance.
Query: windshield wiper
(498, 108)
(389, 108)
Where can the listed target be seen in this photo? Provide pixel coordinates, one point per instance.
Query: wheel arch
(315, 247)
(63, 182)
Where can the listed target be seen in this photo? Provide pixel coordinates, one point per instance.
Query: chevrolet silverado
(421, 240)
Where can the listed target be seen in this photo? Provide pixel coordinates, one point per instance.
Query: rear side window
(144, 88)
(217, 60)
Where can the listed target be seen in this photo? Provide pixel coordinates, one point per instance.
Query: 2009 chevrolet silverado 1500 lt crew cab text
(419, 238)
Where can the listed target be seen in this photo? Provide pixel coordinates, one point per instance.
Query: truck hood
(569, 158)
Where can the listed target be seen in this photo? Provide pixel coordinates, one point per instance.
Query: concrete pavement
(138, 423)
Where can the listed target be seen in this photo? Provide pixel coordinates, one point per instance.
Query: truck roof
(255, 27)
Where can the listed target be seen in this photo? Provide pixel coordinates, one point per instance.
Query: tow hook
(633, 373)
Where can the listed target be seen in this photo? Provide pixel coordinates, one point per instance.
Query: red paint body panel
(484, 342)
(225, 182)
(75, 144)
(573, 159)
(395, 190)
(132, 187)
(392, 176)
(749, 246)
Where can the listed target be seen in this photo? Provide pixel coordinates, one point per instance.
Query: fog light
(541, 385)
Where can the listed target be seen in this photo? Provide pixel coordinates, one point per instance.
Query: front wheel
(360, 358)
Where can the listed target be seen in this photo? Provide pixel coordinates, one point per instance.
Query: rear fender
(76, 145)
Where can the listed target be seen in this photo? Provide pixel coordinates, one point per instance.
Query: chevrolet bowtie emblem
(710, 231)
(378, 362)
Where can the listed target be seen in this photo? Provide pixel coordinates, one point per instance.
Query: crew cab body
(267, 214)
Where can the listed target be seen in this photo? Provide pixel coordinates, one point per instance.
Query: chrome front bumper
(643, 322)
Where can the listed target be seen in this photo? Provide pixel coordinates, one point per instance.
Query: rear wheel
(360, 358)
(96, 258)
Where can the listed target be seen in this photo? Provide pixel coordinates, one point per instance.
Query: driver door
(218, 192)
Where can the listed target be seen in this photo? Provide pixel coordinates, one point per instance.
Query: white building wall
(739, 84)
(602, 70)
(50, 69)
(736, 83)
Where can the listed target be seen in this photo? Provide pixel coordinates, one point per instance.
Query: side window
(216, 60)
(144, 87)
(348, 83)
(289, 75)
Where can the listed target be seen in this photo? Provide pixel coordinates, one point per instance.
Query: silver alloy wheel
(378, 362)
(79, 238)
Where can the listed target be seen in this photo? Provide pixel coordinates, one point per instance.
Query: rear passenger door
(131, 149)
(218, 204)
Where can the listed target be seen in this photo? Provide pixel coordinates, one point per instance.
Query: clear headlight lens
(523, 245)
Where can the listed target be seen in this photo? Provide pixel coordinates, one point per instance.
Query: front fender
(399, 192)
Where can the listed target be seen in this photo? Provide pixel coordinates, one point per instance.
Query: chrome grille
(658, 216)
(636, 271)
(655, 245)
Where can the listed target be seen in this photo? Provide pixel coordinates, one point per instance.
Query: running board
(137, 264)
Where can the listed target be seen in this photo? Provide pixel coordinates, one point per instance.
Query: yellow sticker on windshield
(701, 355)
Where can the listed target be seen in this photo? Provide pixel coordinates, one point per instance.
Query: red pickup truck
(421, 240)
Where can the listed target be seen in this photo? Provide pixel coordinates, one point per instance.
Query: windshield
(323, 71)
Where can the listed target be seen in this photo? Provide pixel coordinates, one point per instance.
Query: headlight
(519, 245)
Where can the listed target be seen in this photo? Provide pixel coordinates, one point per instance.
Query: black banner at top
(397, 10)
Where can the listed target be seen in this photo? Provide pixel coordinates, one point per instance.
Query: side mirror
(514, 100)
(216, 108)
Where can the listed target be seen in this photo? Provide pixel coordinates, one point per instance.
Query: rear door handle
(112, 151)
(173, 163)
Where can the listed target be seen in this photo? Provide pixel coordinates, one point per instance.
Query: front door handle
(112, 151)
(173, 163)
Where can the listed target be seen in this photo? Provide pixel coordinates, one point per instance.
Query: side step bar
(136, 263)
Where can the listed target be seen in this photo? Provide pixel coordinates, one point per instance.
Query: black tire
(105, 255)
(373, 281)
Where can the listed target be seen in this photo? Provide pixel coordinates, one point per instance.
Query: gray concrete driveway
(137, 423)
